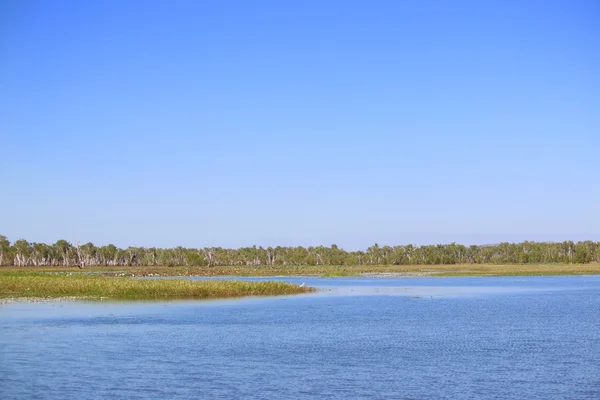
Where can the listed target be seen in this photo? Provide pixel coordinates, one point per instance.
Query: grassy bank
(44, 285)
(340, 273)
(333, 271)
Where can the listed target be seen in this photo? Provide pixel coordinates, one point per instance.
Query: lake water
(418, 338)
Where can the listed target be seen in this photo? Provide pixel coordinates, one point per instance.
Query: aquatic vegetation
(24, 284)
(324, 270)
(340, 273)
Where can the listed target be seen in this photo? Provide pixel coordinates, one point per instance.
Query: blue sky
(233, 123)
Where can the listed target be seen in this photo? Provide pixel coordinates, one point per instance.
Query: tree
(62, 253)
(23, 252)
(4, 249)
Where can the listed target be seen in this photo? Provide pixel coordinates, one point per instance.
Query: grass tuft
(340, 273)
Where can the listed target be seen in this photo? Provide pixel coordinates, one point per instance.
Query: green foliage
(62, 253)
(339, 274)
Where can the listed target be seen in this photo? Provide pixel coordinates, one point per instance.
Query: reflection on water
(532, 337)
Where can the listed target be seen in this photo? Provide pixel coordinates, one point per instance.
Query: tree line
(63, 253)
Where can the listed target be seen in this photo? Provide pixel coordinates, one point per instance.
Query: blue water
(419, 338)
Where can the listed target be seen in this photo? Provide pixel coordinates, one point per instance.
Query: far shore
(380, 271)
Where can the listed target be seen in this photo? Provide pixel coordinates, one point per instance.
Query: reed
(339, 273)
(320, 270)
(44, 285)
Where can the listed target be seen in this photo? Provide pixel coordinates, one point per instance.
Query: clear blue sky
(233, 123)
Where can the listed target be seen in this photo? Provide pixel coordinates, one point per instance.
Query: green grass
(339, 273)
(325, 271)
(44, 285)
(524, 270)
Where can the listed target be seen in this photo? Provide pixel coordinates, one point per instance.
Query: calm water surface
(419, 338)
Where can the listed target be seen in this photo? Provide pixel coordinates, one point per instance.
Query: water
(420, 338)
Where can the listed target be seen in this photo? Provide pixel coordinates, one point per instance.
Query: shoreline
(375, 271)
(12, 300)
(38, 287)
(385, 275)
